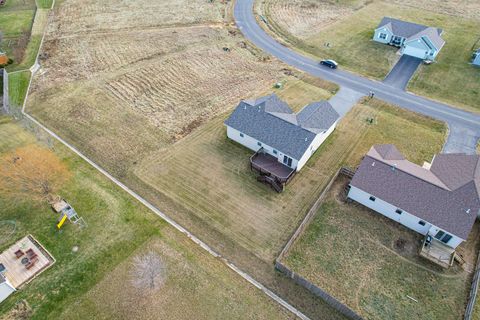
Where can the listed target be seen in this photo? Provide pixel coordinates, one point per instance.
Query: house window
(383, 36)
(241, 134)
(446, 238)
(275, 151)
(398, 211)
(421, 222)
(442, 236)
(372, 198)
(259, 144)
(287, 161)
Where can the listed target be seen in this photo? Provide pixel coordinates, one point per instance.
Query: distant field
(16, 18)
(347, 26)
(146, 87)
(371, 263)
(80, 284)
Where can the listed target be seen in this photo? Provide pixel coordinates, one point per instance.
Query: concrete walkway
(344, 100)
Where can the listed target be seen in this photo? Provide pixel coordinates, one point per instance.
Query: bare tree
(148, 271)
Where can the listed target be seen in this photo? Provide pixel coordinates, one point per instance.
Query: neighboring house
(413, 39)
(439, 200)
(269, 125)
(6, 288)
(476, 58)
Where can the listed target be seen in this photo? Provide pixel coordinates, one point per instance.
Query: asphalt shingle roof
(446, 195)
(410, 30)
(271, 121)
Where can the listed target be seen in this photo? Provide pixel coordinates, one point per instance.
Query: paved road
(458, 121)
(401, 73)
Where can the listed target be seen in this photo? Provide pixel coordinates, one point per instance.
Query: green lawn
(17, 86)
(452, 79)
(118, 227)
(15, 22)
(355, 255)
(44, 4)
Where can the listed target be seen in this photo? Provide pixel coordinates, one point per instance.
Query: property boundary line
(154, 209)
(472, 297)
(5, 98)
(298, 279)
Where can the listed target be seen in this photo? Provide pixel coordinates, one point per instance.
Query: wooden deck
(266, 164)
(16, 272)
(438, 253)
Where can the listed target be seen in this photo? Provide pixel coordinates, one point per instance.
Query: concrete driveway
(401, 73)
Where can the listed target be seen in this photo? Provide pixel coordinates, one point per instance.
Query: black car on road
(332, 64)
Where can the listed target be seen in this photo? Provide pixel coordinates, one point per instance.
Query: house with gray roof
(413, 39)
(476, 58)
(439, 199)
(269, 124)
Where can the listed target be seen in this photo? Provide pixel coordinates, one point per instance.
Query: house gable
(426, 194)
(264, 124)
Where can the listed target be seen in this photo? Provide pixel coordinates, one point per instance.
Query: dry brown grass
(196, 286)
(124, 87)
(304, 18)
(74, 17)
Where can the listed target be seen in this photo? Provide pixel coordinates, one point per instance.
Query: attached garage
(415, 52)
(417, 48)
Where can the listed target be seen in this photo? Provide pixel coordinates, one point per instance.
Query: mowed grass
(196, 287)
(44, 4)
(452, 79)
(15, 22)
(209, 176)
(17, 87)
(118, 227)
(353, 253)
(300, 92)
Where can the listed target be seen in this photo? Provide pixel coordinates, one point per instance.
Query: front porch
(271, 171)
(437, 252)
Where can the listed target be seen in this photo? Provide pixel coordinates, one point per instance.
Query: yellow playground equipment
(62, 221)
(67, 212)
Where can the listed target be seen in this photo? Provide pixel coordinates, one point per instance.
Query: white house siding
(408, 220)
(5, 290)
(316, 143)
(454, 242)
(476, 61)
(252, 144)
(418, 48)
(376, 36)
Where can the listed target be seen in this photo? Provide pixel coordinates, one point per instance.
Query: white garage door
(414, 52)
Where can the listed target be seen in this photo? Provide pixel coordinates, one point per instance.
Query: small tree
(31, 172)
(148, 271)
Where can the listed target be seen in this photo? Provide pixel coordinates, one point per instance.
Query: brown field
(126, 87)
(304, 18)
